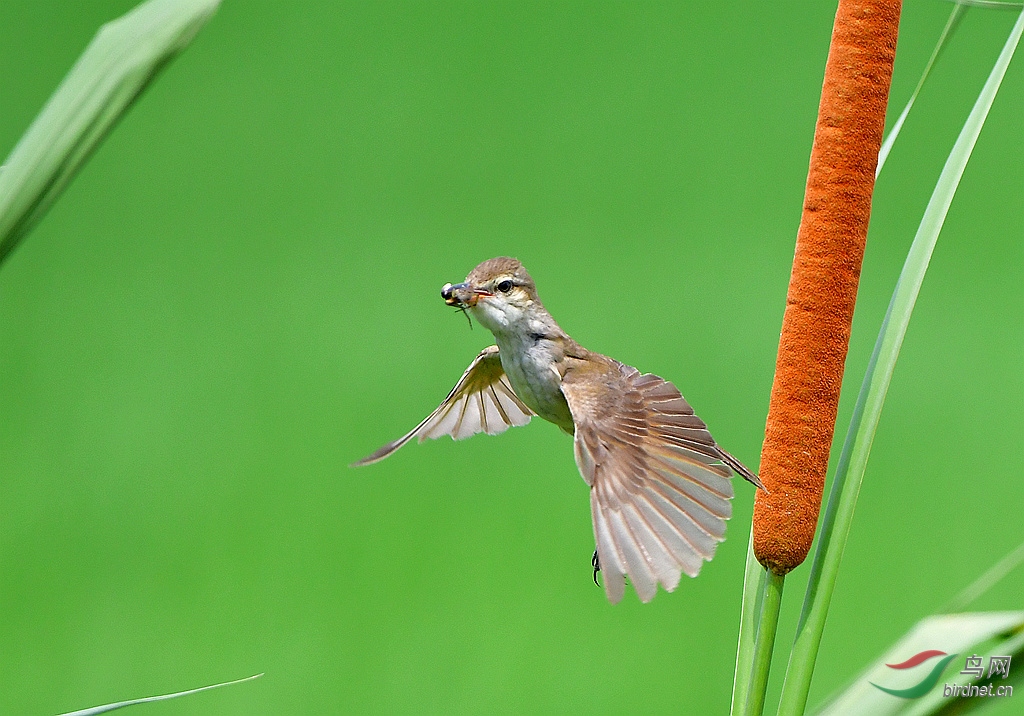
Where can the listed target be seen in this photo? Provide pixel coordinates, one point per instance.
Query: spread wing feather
(660, 486)
(481, 402)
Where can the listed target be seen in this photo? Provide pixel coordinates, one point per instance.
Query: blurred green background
(238, 297)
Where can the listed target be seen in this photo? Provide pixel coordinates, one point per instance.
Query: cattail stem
(823, 285)
(754, 576)
(768, 621)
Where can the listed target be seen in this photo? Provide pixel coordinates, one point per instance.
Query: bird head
(499, 293)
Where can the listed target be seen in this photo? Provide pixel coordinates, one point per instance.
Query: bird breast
(530, 362)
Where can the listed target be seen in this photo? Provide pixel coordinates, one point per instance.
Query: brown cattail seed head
(823, 285)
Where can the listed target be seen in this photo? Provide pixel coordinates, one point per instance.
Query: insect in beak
(453, 296)
(462, 295)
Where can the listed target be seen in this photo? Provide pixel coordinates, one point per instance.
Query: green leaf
(991, 4)
(989, 579)
(947, 32)
(835, 526)
(881, 690)
(120, 704)
(115, 68)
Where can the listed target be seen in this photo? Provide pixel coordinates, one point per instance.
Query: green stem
(750, 613)
(771, 602)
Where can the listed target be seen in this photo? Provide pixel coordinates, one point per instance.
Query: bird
(660, 486)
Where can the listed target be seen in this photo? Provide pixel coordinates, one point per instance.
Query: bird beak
(461, 295)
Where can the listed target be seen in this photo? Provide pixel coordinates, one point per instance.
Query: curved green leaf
(115, 68)
(148, 699)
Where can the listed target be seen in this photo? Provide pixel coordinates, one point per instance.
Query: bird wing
(481, 402)
(659, 491)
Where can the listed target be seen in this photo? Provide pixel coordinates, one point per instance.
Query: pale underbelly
(538, 385)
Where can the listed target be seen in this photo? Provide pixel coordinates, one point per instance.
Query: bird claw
(596, 562)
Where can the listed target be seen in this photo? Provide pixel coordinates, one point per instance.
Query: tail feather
(742, 470)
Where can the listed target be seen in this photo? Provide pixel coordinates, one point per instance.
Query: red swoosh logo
(917, 659)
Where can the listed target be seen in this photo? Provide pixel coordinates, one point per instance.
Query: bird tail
(742, 469)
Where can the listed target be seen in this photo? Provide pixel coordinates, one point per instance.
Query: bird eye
(505, 286)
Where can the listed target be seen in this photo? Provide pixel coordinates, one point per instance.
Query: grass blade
(947, 32)
(149, 699)
(835, 527)
(991, 4)
(986, 581)
(115, 68)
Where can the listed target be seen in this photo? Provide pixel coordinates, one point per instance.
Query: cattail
(823, 285)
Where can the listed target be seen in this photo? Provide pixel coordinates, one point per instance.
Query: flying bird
(660, 486)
